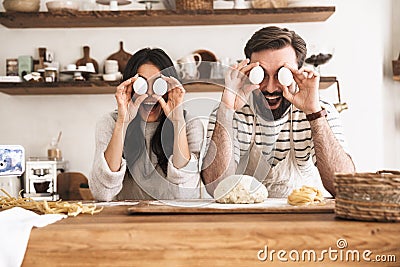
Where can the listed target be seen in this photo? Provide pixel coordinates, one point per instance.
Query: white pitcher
(187, 66)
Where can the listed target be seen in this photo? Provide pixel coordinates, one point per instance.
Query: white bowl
(62, 5)
(110, 77)
(22, 5)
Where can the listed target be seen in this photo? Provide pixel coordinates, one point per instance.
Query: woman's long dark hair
(163, 139)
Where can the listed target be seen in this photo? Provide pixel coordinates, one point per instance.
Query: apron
(286, 175)
(145, 180)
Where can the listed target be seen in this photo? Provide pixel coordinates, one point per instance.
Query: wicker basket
(194, 4)
(269, 3)
(368, 196)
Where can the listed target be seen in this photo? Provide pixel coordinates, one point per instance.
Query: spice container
(50, 74)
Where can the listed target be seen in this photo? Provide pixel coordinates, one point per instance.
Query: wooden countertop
(114, 238)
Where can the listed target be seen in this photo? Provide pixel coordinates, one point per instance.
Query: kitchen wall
(365, 36)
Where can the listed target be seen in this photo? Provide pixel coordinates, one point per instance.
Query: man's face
(270, 96)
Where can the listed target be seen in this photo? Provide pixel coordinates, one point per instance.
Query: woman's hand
(173, 108)
(307, 97)
(236, 93)
(128, 107)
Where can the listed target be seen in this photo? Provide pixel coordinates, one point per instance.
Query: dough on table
(240, 189)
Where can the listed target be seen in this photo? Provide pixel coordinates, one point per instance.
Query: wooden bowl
(22, 5)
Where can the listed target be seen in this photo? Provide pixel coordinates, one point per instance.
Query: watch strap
(316, 115)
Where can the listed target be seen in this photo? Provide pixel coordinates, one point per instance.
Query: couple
(285, 136)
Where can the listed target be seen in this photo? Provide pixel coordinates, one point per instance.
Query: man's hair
(276, 38)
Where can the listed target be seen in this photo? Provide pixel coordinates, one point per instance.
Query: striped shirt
(273, 137)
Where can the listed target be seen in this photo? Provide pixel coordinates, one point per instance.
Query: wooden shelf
(58, 88)
(138, 18)
(101, 87)
(396, 78)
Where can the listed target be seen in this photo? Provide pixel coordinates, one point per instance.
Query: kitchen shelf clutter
(139, 18)
(100, 87)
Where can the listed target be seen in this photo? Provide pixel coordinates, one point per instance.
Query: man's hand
(236, 92)
(307, 97)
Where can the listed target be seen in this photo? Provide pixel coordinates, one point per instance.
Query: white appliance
(41, 178)
(12, 166)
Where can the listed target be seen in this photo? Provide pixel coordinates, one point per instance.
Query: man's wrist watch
(316, 115)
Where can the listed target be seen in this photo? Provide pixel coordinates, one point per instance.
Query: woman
(149, 147)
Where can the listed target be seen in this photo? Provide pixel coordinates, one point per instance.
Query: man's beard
(263, 108)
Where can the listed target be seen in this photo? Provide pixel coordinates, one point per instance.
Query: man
(285, 136)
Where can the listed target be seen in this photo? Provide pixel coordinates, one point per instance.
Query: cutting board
(87, 59)
(121, 56)
(201, 206)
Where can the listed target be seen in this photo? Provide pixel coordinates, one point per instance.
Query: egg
(285, 76)
(140, 86)
(256, 75)
(160, 87)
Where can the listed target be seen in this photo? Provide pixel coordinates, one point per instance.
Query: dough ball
(240, 189)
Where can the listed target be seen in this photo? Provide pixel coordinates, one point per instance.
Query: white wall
(360, 31)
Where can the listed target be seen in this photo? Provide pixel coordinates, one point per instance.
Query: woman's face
(150, 109)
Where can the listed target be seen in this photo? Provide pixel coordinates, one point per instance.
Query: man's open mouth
(273, 100)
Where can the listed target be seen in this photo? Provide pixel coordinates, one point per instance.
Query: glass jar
(54, 152)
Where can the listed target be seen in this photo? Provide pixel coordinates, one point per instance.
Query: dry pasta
(52, 207)
(306, 195)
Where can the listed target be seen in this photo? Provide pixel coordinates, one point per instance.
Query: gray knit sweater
(144, 180)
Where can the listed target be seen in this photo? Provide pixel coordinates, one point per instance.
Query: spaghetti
(306, 195)
(52, 207)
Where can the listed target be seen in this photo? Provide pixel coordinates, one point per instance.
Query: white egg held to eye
(256, 75)
(285, 76)
(140, 86)
(160, 87)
